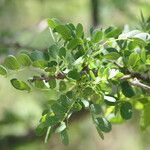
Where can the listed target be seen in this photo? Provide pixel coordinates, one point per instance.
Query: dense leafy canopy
(106, 74)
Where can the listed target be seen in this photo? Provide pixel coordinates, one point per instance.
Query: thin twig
(48, 78)
(125, 77)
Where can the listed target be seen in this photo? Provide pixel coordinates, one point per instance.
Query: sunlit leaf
(24, 59)
(20, 85)
(3, 70)
(11, 62)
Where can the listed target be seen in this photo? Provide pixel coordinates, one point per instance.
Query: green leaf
(62, 86)
(3, 70)
(40, 64)
(127, 90)
(88, 91)
(143, 55)
(74, 74)
(20, 85)
(39, 84)
(65, 102)
(133, 59)
(100, 133)
(53, 51)
(71, 26)
(77, 106)
(97, 36)
(103, 124)
(79, 30)
(62, 52)
(112, 32)
(112, 56)
(51, 120)
(11, 62)
(126, 110)
(58, 109)
(37, 55)
(52, 64)
(52, 23)
(92, 75)
(52, 83)
(40, 129)
(111, 49)
(70, 94)
(74, 43)
(110, 100)
(24, 59)
(63, 31)
(64, 137)
(96, 108)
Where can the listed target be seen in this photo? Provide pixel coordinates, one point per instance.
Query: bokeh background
(23, 24)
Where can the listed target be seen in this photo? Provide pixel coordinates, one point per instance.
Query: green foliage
(20, 85)
(24, 60)
(3, 70)
(64, 137)
(126, 110)
(11, 63)
(97, 36)
(103, 74)
(103, 124)
(127, 89)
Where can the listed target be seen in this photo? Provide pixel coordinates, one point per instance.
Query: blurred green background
(23, 23)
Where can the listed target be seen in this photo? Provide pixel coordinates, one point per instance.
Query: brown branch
(47, 78)
(137, 83)
(134, 74)
(139, 76)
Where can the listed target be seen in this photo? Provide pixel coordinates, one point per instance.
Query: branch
(139, 76)
(125, 77)
(45, 78)
(137, 83)
(132, 74)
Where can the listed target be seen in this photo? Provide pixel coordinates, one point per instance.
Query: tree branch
(136, 82)
(139, 76)
(45, 78)
(134, 74)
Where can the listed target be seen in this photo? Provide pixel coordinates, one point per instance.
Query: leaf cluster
(95, 73)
